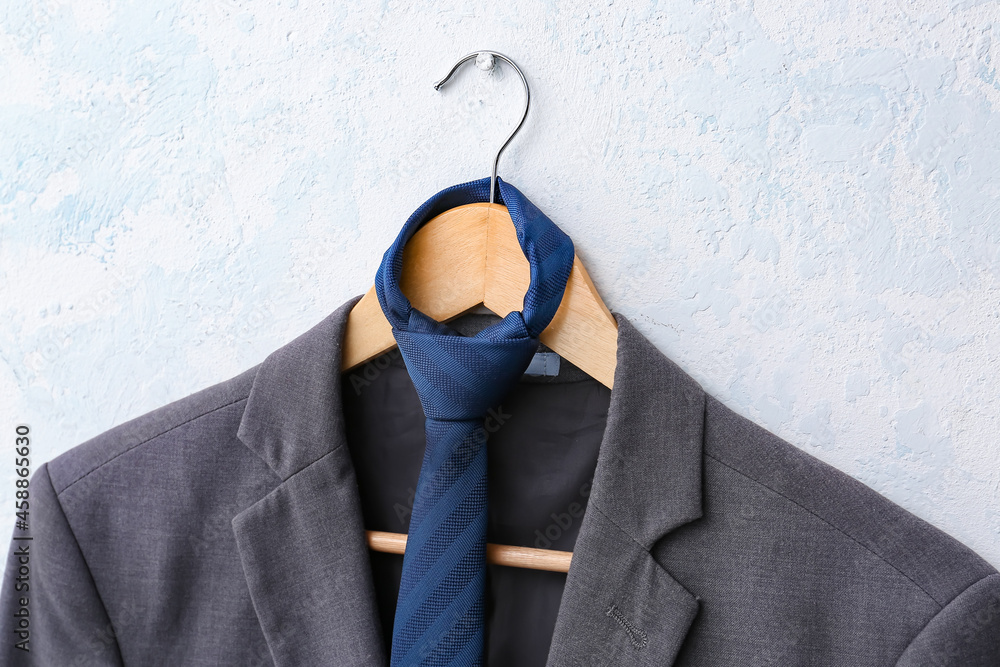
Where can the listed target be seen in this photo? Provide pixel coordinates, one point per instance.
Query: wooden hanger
(466, 257)
(469, 256)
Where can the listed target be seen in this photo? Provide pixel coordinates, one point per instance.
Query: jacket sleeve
(49, 606)
(966, 633)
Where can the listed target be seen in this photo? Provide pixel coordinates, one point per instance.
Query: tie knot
(460, 377)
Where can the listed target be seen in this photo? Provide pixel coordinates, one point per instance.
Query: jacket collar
(303, 549)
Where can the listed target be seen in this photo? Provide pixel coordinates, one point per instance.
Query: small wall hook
(485, 61)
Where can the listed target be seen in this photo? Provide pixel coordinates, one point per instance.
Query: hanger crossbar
(496, 554)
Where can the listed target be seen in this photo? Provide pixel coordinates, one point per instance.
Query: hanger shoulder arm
(368, 333)
(443, 276)
(583, 330)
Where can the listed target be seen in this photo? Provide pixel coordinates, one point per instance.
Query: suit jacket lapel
(620, 606)
(302, 545)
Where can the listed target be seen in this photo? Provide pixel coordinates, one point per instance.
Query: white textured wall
(797, 201)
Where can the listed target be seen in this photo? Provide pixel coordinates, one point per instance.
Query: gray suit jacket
(226, 528)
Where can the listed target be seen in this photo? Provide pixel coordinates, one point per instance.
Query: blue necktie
(439, 611)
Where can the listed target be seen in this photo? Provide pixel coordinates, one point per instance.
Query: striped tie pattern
(439, 618)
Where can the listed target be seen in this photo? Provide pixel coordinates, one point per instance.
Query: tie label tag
(544, 363)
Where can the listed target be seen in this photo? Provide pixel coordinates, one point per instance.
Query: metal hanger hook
(488, 65)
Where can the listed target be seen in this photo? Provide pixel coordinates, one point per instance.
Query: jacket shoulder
(966, 632)
(941, 566)
(79, 461)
